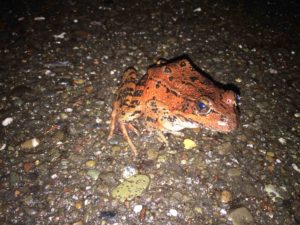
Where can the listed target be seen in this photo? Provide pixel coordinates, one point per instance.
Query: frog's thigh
(129, 113)
(159, 117)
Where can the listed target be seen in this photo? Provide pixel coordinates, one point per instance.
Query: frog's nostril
(223, 121)
(223, 118)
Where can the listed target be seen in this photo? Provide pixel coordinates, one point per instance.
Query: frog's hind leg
(114, 118)
(127, 138)
(126, 107)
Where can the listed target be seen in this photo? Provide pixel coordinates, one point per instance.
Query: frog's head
(217, 112)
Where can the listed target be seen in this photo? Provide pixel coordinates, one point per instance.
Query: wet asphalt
(60, 66)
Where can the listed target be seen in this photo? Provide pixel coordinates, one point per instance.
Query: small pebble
(197, 9)
(297, 115)
(282, 140)
(241, 216)
(90, 163)
(39, 18)
(272, 192)
(226, 196)
(3, 146)
(238, 80)
(92, 173)
(270, 154)
(107, 214)
(152, 154)
(58, 136)
(129, 171)
(7, 121)
(137, 208)
(273, 71)
(295, 167)
(173, 212)
(78, 205)
(162, 159)
(32, 143)
(79, 81)
(68, 110)
(189, 144)
(63, 116)
(27, 167)
(234, 172)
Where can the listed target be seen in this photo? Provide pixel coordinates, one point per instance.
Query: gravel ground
(60, 66)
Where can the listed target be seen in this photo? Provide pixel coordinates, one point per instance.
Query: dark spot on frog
(167, 70)
(193, 79)
(171, 78)
(136, 112)
(158, 84)
(185, 106)
(171, 118)
(152, 120)
(137, 93)
(135, 102)
(153, 104)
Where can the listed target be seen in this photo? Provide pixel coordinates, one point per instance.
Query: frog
(172, 96)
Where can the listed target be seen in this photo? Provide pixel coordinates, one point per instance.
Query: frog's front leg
(161, 120)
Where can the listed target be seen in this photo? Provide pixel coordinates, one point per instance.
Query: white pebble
(223, 212)
(295, 167)
(60, 36)
(39, 18)
(7, 121)
(54, 176)
(68, 110)
(137, 208)
(273, 71)
(173, 212)
(250, 145)
(129, 171)
(297, 115)
(282, 140)
(2, 147)
(238, 80)
(35, 142)
(197, 10)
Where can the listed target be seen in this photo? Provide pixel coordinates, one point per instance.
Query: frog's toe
(162, 138)
(132, 128)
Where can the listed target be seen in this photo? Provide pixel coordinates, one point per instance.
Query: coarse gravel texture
(60, 65)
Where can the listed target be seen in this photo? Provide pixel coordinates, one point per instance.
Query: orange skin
(167, 97)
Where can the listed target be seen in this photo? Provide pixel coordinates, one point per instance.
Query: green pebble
(131, 188)
(94, 174)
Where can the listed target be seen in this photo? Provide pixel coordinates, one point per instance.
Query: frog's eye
(203, 107)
